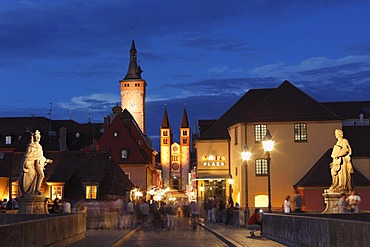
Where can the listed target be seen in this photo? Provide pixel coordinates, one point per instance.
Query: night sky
(63, 59)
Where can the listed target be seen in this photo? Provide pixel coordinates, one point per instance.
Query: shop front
(212, 170)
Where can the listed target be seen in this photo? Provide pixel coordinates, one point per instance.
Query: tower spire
(184, 122)
(165, 121)
(134, 71)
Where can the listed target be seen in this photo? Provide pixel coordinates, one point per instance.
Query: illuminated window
(261, 201)
(91, 191)
(56, 191)
(259, 132)
(115, 134)
(165, 133)
(15, 189)
(165, 141)
(236, 135)
(124, 153)
(175, 158)
(184, 132)
(261, 167)
(184, 141)
(300, 132)
(8, 140)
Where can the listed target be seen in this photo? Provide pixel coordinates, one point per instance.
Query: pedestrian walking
(220, 211)
(287, 204)
(186, 214)
(144, 210)
(171, 212)
(298, 202)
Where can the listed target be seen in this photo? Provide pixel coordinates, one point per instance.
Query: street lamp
(246, 155)
(268, 146)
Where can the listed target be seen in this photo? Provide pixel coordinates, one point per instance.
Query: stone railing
(318, 229)
(42, 230)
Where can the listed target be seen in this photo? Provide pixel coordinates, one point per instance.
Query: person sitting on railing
(255, 222)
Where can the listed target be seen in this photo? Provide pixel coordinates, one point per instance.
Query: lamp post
(246, 155)
(268, 146)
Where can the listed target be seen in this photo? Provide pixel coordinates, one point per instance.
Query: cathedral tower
(184, 149)
(175, 157)
(133, 90)
(165, 146)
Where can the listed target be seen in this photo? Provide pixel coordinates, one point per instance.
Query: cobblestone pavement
(207, 235)
(179, 238)
(239, 236)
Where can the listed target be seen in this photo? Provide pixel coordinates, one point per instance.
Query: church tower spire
(165, 146)
(134, 71)
(184, 148)
(133, 90)
(165, 121)
(184, 122)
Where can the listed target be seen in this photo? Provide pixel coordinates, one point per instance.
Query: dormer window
(8, 140)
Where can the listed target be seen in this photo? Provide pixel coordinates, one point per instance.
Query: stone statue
(32, 166)
(341, 167)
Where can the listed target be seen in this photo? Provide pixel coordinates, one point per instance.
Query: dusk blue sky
(68, 56)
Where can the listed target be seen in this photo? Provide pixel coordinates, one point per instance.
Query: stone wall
(42, 230)
(318, 230)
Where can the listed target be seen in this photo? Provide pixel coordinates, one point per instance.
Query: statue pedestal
(331, 199)
(33, 204)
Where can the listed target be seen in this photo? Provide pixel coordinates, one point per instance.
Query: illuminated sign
(214, 160)
(214, 163)
(215, 157)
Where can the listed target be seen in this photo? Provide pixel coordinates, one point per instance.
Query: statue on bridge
(32, 166)
(341, 167)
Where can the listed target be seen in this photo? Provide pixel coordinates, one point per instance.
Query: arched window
(175, 184)
(261, 201)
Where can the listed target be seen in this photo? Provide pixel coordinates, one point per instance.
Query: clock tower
(133, 90)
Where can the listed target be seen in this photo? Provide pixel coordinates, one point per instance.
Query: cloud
(349, 73)
(74, 29)
(93, 102)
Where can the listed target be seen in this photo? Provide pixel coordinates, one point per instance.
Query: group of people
(220, 211)
(58, 206)
(297, 202)
(346, 204)
(9, 204)
(349, 204)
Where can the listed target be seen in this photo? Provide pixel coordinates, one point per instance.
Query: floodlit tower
(133, 90)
